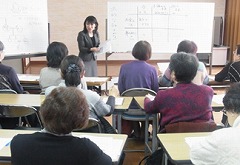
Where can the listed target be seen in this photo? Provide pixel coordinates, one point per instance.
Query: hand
(94, 49)
(151, 97)
(160, 73)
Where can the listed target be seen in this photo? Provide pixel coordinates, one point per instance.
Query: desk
(175, 147)
(140, 101)
(34, 100)
(118, 142)
(118, 110)
(31, 81)
(97, 81)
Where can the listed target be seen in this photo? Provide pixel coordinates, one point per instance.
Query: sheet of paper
(192, 140)
(23, 77)
(4, 142)
(108, 145)
(105, 47)
(218, 98)
(163, 66)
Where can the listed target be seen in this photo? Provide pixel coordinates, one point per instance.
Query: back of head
(64, 109)
(1, 46)
(187, 46)
(231, 100)
(56, 51)
(72, 68)
(142, 50)
(184, 65)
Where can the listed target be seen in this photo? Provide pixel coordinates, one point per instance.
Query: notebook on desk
(162, 66)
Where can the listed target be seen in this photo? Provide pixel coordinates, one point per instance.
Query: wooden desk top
(175, 146)
(117, 138)
(126, 103)
(34, 100)
(96, 81)
(215, 101)
(34, 79)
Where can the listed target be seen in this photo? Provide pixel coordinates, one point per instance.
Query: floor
(112, 69)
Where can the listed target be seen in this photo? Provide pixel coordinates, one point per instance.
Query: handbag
(106, 126)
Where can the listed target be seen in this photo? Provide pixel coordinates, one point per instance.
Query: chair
(92, 123)
(181, 127)
(140, 115)
(17, 111)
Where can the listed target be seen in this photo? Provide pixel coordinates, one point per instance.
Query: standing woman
(88, 42)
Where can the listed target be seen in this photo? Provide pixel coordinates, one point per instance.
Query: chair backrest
(4, 83)
(7, 91)
(138, 92)
(92, 123)
(182, 127)
(11, 111)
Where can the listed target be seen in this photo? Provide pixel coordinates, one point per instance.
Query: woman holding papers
(72, 70)
(222, 146)
(186, 102)
(63, 110)
(88, 44)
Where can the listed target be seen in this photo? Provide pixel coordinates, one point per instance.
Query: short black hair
(184, 65)
(90, 19)
(142, 50)
(1, 46)
(231, 100)
(187, 46)
(56, 51)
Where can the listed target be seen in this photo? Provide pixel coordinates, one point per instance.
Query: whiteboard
(24, 26)
(163, 25)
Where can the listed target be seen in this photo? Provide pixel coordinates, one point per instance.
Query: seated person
(137, 74)
(63, 110)
(231, 71)
(8, 76)
(201, 76)
(72, 70)
(51, 75)
(186, 101)
(222, 146)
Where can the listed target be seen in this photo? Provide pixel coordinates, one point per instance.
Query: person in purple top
(185, 102)
(137, 74)
(8, 76)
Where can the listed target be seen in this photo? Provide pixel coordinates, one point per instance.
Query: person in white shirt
(222, 147)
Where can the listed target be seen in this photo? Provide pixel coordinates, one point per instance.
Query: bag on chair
(107, 127)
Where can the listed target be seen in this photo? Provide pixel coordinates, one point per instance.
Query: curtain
(232, 26)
